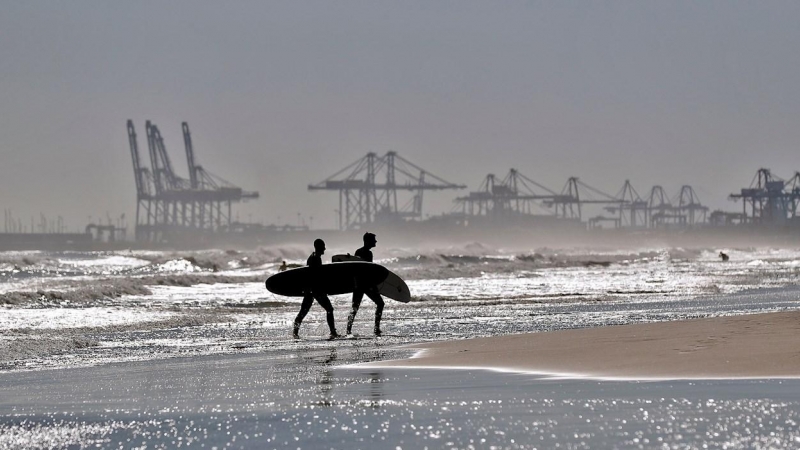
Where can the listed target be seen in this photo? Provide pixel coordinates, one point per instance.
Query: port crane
(368, 190)
(168, 204)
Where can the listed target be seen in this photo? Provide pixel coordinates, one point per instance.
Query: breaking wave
(23, 259)
(227, 259)
(85, 293)
(22, 264)
(443, 266)
(195, 279)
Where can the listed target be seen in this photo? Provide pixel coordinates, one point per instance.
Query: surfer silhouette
(315, 260)
(723, 256)
(372, 291)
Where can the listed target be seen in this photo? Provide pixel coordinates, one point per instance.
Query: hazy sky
(282, 94)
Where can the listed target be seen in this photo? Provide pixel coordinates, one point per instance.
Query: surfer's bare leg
(376, 297)
(325, 302)
(308, 300)
(357, 297)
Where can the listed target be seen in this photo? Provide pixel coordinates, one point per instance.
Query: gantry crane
(632, 209)
(689, 206)
(768, 200)
(575, 194)
(515, 194)
(169, 205)
(368, 189)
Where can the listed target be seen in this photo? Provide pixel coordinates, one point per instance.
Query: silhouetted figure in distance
(315, 260)
(372, 291)
(723, 256)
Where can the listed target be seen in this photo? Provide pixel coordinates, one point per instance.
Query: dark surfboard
(331, 279)
(392, 286)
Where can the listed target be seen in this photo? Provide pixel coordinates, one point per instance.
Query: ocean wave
(514, 299)
(683, 254)
(145, 262)
(189, 279)
(444, 266)
(757, 262)
(24, 259)
(259, 305)
(21, 345)
(84, 295)
(225, 259)
(90, 292)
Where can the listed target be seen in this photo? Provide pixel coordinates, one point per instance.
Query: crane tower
(168, 205)
(368, 189)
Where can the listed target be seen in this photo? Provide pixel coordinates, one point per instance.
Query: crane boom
(187, 142)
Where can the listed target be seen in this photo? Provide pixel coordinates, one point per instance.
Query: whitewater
(87, 308)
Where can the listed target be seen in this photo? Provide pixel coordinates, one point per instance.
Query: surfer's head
(370, 240)
(319, 246)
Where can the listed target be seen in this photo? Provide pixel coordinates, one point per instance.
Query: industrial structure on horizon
(169, 206)
(368, 189)
(517, 195)
(771, 200)
(365, 198)
(388, 190)
(768, 201)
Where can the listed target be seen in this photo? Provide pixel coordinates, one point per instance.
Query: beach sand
(750, 346)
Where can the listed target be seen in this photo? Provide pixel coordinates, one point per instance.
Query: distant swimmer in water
(723, 256)
(372, 291)
(282, 267)
(315, 260)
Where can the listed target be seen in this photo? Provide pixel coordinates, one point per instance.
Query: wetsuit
(358, 295)
(315, 261)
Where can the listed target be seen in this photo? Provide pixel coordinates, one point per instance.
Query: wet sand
(299, 399)
(751, 346)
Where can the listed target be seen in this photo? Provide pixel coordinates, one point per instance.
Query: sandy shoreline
(750, 346)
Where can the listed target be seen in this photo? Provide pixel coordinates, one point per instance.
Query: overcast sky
(282, 94)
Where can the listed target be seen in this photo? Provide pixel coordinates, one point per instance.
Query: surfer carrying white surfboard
(315, 260)
(370, 241)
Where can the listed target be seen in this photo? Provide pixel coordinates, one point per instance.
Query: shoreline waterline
(753, 346)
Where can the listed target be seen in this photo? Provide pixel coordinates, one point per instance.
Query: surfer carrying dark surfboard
(315, 260)
(370, 241)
